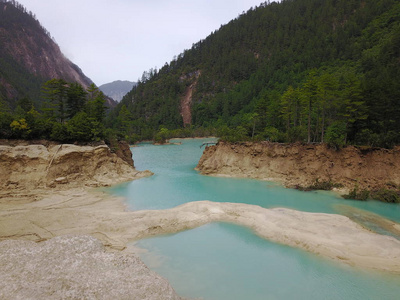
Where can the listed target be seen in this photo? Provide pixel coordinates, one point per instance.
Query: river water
(225, 261)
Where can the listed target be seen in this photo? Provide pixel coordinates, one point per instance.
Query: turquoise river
(224, 261)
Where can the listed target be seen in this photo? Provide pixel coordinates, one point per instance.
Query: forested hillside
(299, 70)
(43, 95)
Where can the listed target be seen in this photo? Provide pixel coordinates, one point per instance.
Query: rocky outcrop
(303, 164)
(28, 43)
(30, 56)
(75, 267)
(123, 150)
(49, 165)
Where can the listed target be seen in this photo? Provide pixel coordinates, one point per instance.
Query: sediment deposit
(75, 267)
(45, 197)
(51, 165)
(80, 213)
(303, 164)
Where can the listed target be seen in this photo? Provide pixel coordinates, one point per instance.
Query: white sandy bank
(81, 212)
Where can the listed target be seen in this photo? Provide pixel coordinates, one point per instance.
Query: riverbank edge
(93, 212)
(351, 170)
(42, 214)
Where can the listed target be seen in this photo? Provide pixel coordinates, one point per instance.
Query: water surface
(225, 261)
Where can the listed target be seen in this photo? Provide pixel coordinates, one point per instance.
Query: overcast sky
(119, 39)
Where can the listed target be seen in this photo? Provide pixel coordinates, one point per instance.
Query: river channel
(225, 261)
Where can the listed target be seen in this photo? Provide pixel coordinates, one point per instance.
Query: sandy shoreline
(44, 214)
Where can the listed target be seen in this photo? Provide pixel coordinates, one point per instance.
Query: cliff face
(28, 43)
(302, 165)
(29, 56)
(33, 166)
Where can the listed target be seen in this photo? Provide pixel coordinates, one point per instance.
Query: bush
(386, 140)
(355, 195)
(234, 135)
(83, 128)
(162, 135)
(274, 135)
(335, 135)
(388, 196)
(368, 138)
(5, 121)
(20, 129)
(296, 134)
(59, 132)
(324, 185)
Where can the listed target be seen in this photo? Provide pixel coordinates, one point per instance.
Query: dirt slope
(51, 165)
(302, 165)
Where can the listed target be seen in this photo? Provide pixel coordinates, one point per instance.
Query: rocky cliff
(50, 165)
(301, 165)
(29, 56)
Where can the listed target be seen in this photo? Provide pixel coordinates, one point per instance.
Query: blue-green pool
(225, 261)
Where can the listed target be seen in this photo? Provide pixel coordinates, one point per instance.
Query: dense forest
(298, 70)
(68, 113)
(34, 106)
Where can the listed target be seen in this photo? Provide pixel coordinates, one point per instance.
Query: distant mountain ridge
(29, 57)
(117, 89)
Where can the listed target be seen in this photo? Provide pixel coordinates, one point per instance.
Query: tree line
(68, 113)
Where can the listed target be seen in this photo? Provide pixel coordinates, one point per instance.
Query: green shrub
(335, 135)
(162, 135)
(59, 132)
(324, 185)
(239, 134)
(274, 135)
(296, 134)
(388, 196)
(355, 195)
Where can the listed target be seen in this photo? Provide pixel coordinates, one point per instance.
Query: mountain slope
(117, 89)
(29, 56)
(249, 66)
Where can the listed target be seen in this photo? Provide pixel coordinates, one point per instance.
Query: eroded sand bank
(302, 165)
(88, 212)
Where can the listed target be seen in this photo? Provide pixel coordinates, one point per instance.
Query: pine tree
(76, 99)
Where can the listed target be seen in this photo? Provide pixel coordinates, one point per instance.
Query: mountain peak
(117, 89)
(29, 56)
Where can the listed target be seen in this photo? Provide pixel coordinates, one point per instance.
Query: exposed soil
(302, 164)
(186, 101)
